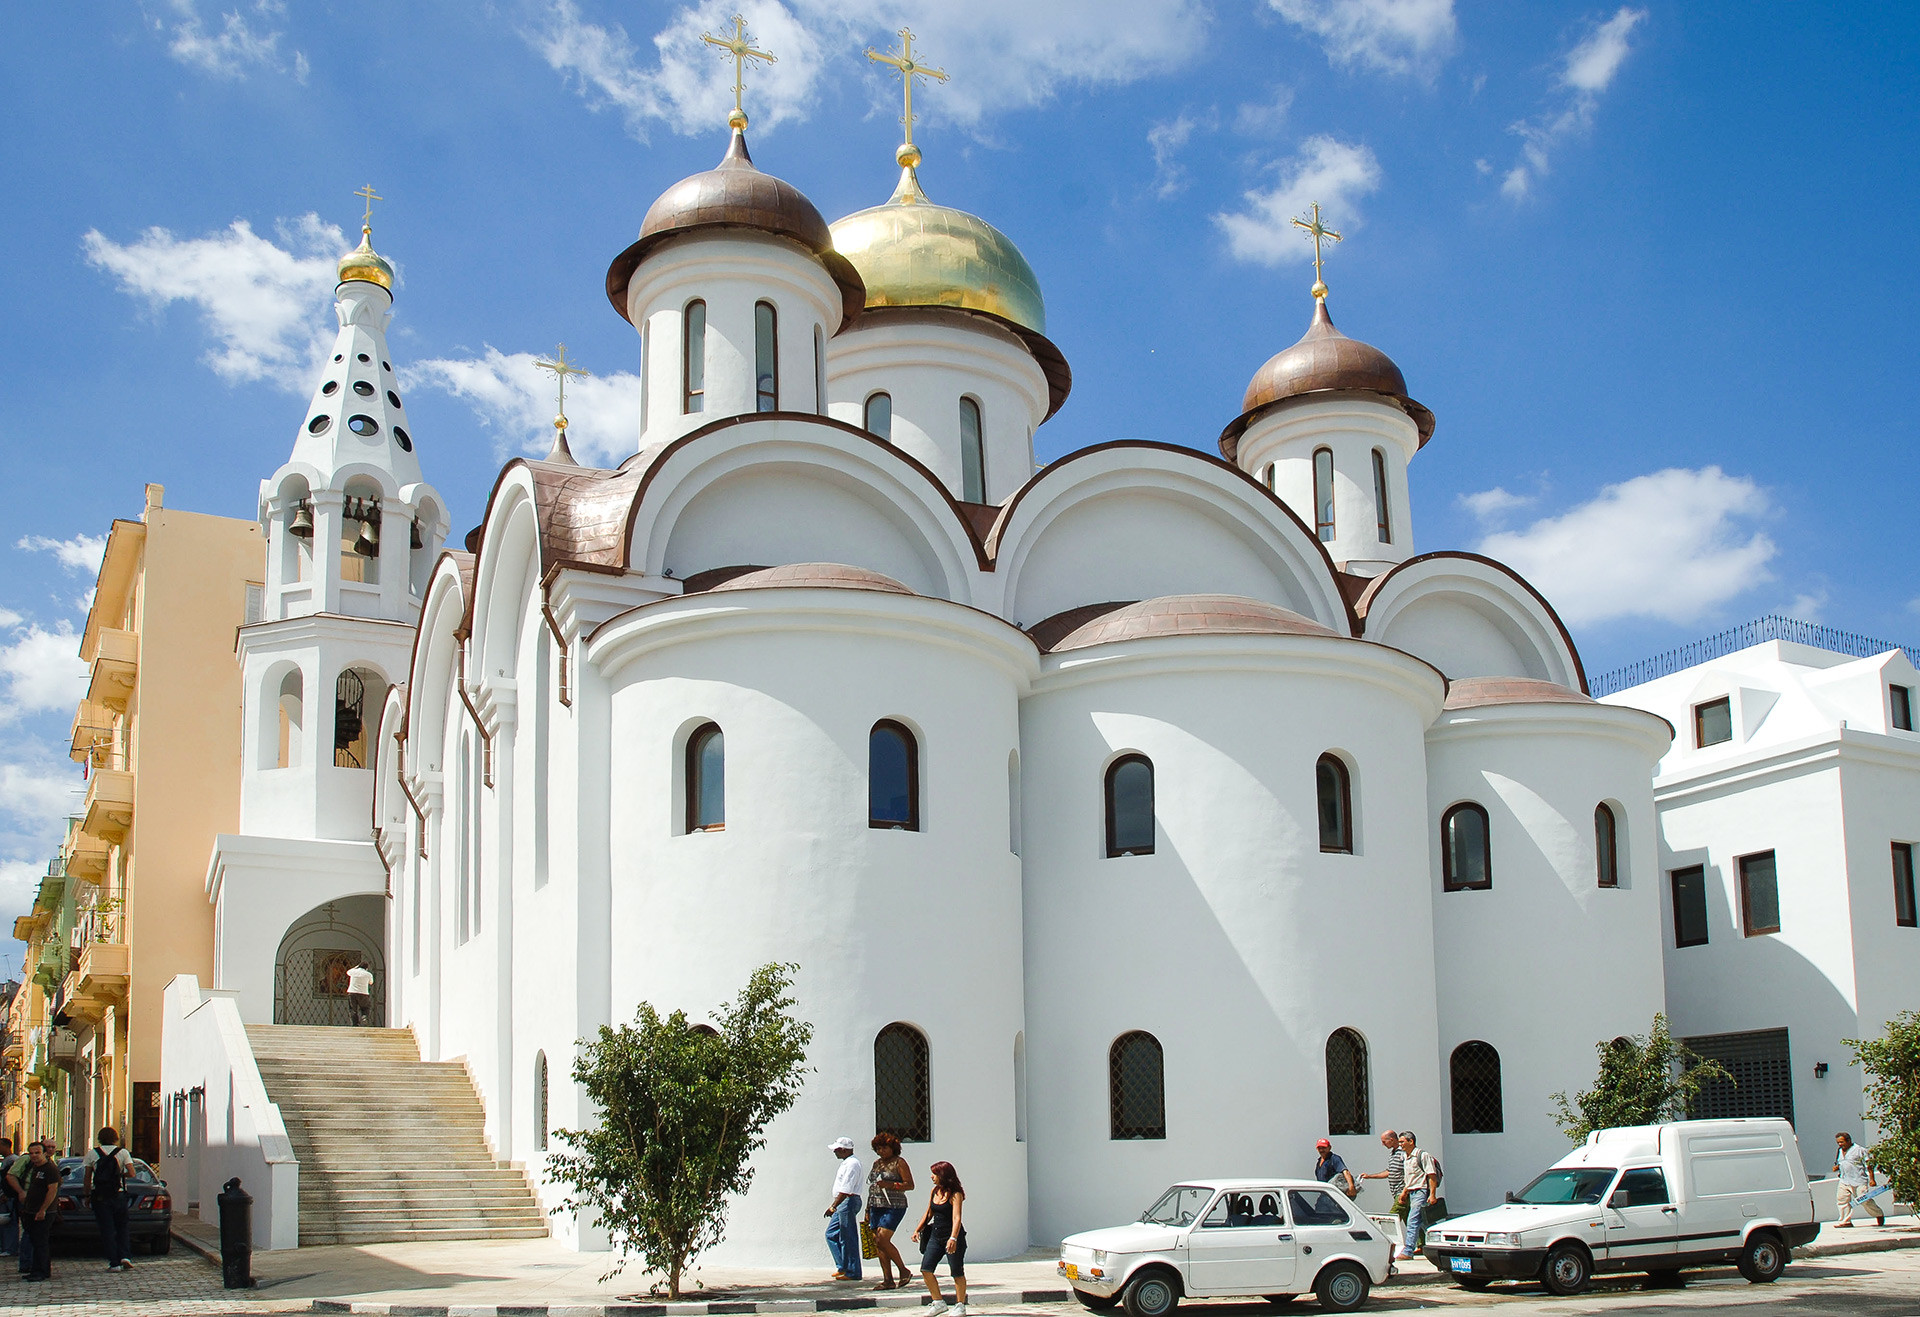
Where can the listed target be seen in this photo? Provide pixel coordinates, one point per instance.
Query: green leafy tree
(1643, 1080)
(1892, 1064)
(682, 1110)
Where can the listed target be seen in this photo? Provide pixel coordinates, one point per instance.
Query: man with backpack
(106, 1170)
(1422, 1185)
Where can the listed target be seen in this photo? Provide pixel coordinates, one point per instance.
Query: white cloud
(82, 553)
(1002, 54)
(38, 791)
(1167, 139)
(1394, 36)
(41, 670)
(1808, 607)
(1587, 71)
(241, 41)
(1264, 118)
(1491, 505)
(515, 399)
(1335, 174)
(1671, 545)
(264, 304)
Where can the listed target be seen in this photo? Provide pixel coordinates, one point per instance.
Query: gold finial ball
(1319, 289)
(908, 155)
(737, 119)
(559, 422)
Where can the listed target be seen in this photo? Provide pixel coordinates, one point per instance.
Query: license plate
(1070, 1271)
(1462, 1264)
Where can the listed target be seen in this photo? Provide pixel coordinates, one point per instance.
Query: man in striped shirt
(1396, 1173)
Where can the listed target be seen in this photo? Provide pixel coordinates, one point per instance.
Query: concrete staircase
(390, 1146)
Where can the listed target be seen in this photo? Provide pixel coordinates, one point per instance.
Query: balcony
(99, 981)
(51, 965)
(116, 666)
(92, 726)
(109, 808)
(87, 858)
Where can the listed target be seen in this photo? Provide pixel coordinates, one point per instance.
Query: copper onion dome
(1323, 361)
(735, 194)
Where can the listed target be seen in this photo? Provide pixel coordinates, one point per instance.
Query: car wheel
(1566, 1270)
(1096, 1302)
(160, 1244)
(1763, 1258)
(1341, 1288)
(1151, 1294)
(1474, 1283)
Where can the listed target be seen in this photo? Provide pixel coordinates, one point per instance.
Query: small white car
(1231, 1238)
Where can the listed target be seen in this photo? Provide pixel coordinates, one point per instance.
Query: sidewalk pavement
(538, 1278)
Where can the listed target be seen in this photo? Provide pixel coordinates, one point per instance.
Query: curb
(195, 1246)
(696, 1308)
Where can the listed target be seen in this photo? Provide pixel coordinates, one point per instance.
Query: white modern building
(1789, 818)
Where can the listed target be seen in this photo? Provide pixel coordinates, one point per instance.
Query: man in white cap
(843, 1213)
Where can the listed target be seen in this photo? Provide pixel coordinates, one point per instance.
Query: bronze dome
(735, 194)
(1170, 615)
(1323, 361)
(813, 576)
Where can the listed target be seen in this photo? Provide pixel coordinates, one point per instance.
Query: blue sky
(1652, 266)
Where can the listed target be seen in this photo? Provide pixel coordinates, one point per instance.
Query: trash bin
(236, 1236)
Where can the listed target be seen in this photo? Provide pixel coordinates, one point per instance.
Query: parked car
(1652, 1198)
(149, 1210)
(1220, 1238)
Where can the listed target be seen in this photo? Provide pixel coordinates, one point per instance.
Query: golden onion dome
(364, 263)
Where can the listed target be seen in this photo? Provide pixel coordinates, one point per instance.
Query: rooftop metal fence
(1747, 634)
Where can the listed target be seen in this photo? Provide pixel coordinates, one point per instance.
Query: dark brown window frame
(1382, 511)
(1447, 879)
(1343, 844)
(1606, 860)
(866, 415)
(1478, 1070)
(1700, 741)
(1746, 904)
(920, 1128)
(1117, 1127)
(912, 823)
(1114, 851)
(1900, 708)
(697, 740)
(976, 448)
(1904, 911)
(1359, 1075)
(766, 400)
(691, 399)
(1706, 924)
(1323, 530)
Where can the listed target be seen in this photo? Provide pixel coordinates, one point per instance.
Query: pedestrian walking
(1856, 1177)
(360, 995)
(9, 1213)
(887, 1186)
(1331, 1169)
(16, 1186)
(843, 1213)
(38, 1205)
(1396, 1173)
(1422, 1179)
(105, 1171)
(942, 1234)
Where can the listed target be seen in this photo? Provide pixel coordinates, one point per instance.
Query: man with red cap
(1330, 1167)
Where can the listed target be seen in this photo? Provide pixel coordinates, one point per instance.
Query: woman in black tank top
(942, 1234)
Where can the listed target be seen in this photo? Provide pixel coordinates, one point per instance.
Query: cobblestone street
(180, 1284)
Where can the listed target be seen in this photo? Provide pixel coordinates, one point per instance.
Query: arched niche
(310, 967)
(1470, 616)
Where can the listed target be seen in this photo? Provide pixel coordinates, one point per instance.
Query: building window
(1760, 1070)
(290, 718)
(1465, 854)
(540, 1101)
(476, 794)
(1347, 1083)
(1323, 492)
(1130, 806)
(1606, 845)
(973, 455)
(1380, 509)
(766, 357)
(693, 358)
(1475, 1071)
(893, 777)
(1020, 1088)
(1713, 722)
(879, 417)
(1690, 907)
(1901, 698)
(1136, 1087)
(819, 370)
(357, 695)
(706, 780)
(1759, 894)
(902, 1084)
(464, 782)
(1272, 478)
(1013, 801)
(1903, 907)
(1334, 787)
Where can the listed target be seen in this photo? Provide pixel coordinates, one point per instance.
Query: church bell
(368, 544)
(302, 523)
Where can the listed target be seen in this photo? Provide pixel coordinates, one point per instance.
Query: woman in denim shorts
(942, 1234)
(887, 1185)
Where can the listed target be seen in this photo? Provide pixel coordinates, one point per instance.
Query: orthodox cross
(1317, 231)
(561, 368)
(741, 47)
(366, 220)
(909, 70)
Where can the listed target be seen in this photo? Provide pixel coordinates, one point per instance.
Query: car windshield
(1179, 1206)
(73, 1171)
(1568, 1184)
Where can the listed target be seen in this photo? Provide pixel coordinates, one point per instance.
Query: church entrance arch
(310, 969)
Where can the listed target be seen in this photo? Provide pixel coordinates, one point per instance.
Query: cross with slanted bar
(562, 368)
(1317, 231)
(741, 47)
(909, 70)
(371, 196)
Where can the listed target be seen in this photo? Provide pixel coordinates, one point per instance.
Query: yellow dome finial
(363, 262)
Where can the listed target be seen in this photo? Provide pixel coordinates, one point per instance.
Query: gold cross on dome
(909, 70)
(562, 368)
(741, 47)
(366, 220)
(1317, 231)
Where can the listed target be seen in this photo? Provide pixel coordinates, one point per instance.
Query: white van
(1652, 1198)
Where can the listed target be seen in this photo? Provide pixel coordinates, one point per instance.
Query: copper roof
(1324, 361)
(1478, 692)
(735, 194)
(813, 576)
(1173, 615)
(583, 511)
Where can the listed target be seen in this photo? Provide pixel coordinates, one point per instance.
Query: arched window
(1606, 845)
(357, 697)
(646, 361)
(1020, 1088)
(1272, 477)
(1323, 492)
(1380, 497)
(463, 781)
(879, 417)
(1347, 1084)
(1130, 806)
(893, 777)
(291, 718)
(1475, 1071)
(1465, 854)
(540, 1101)
(1136, 1087)
(693, 357)
(766, 357)
(1334, 788)
(819, 370)
(973, 456)
(1013, 801)
(902, 1084)
(706, 780)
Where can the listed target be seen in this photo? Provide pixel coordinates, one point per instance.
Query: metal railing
(1734, 639)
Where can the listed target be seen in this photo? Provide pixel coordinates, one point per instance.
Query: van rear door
(1642, 1220)
(1735, 1176)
